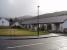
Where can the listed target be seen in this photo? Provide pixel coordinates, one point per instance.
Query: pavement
(55, 42)
(29, 37)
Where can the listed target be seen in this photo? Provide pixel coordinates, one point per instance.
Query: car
(65, 30)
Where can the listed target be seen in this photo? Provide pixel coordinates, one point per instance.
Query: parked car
(65, 30)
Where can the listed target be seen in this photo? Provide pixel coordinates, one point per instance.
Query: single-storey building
(4, 22)
(56, 21)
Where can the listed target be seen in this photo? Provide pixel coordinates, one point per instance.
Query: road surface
(52, 43)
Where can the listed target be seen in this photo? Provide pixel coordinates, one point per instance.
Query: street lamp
(38, 21)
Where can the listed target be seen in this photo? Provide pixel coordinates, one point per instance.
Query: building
(52, 22)
(4, 22)
(15, 23)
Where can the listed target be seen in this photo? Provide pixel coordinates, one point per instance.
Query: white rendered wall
(65, 24)
(4, 22)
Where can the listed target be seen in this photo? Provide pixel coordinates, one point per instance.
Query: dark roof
(62, 13)
(48, 18)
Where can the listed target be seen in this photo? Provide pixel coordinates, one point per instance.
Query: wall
(65, 24)
(4, 22)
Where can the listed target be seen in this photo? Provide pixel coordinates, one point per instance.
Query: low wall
(4, 27)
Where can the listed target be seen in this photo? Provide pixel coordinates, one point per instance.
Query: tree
(11, 21)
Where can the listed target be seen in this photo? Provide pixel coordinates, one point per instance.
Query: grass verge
(19, 32)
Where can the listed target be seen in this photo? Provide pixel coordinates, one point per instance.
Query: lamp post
(38, 21)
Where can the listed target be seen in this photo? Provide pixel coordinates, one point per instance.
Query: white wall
(4, 22)
(65, 24)
(53, 27)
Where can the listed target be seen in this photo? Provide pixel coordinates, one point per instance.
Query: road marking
(26, 45)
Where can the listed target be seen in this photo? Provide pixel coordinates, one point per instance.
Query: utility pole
(38, 21)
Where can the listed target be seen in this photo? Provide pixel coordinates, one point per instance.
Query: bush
(16, 27)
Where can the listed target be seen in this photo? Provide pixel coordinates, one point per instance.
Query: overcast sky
(12, 8)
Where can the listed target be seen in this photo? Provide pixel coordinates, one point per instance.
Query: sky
(16, 8)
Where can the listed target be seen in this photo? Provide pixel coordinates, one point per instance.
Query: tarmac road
(52, 43)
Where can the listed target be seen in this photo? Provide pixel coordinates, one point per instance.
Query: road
(52, 43)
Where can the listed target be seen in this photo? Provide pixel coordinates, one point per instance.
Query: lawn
(19, 32)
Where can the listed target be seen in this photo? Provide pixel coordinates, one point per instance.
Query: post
(38, 21)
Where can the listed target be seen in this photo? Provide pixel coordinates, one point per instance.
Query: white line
(26, 45)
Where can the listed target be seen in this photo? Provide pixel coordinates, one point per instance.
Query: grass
(19, 32)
